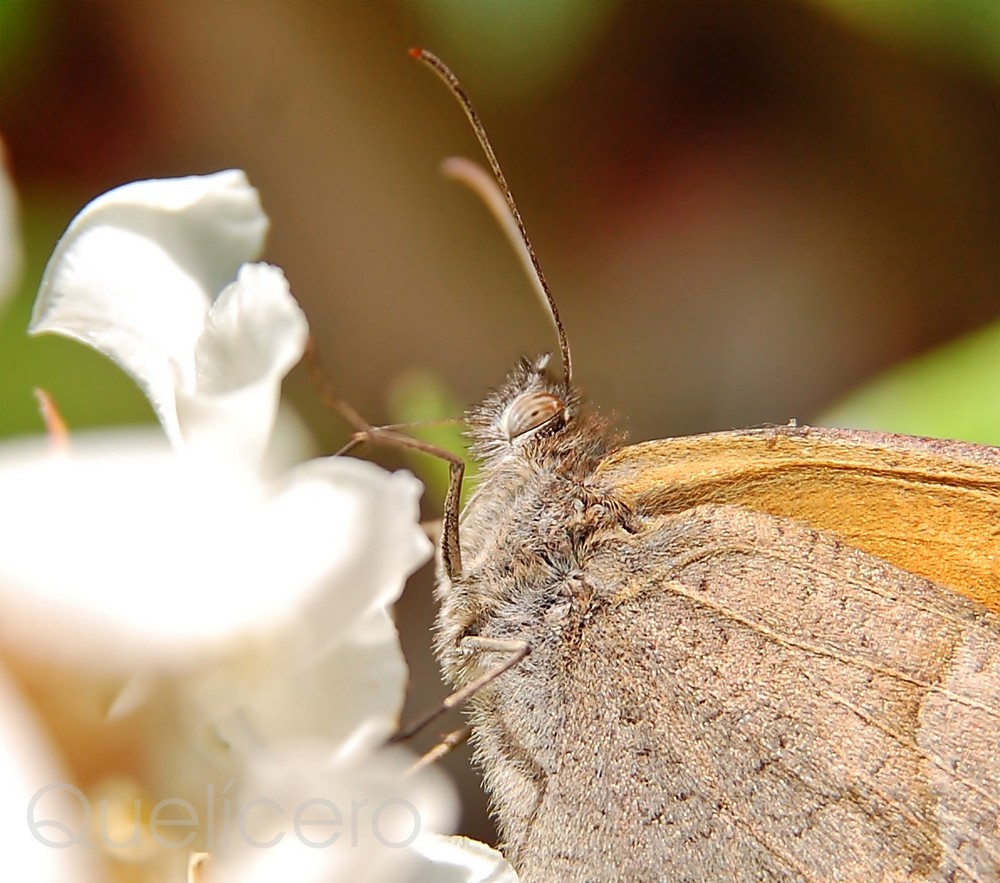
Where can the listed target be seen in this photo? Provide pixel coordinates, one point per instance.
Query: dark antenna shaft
(451, 81)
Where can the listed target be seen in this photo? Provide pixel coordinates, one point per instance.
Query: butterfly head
(530, 407)
(536, 417)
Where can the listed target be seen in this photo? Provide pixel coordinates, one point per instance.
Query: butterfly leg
(448, 743)
(451, 552)
(516, 650)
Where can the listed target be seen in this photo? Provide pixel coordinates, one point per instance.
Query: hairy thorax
(525, 536)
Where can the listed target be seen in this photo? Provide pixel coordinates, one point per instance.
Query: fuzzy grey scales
(712, 694)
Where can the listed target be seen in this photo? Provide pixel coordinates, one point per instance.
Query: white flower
(227, 630)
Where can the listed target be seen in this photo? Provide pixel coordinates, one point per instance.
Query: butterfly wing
(747, 698)
(931, 506)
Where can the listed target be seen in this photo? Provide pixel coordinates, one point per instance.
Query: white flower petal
(137, 269)
(354, 693)
(336, 544)
(254, 333)
(374, 532)
(126, 556)
(10, 239)
(323, 822)
(36, 801)
(454, 859)
(254, 329)
(291, 442)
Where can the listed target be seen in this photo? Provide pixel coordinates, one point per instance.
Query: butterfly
(762, 655)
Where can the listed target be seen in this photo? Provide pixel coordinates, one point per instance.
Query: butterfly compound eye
(529, 411)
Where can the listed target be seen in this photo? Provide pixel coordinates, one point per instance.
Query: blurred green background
(746, 210)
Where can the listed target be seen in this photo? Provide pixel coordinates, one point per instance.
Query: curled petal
(254, 329)
(136, 272)
(254, 333)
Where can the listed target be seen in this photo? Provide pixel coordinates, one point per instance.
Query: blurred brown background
(744, 209)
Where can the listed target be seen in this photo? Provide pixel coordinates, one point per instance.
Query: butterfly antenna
(451, 81)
